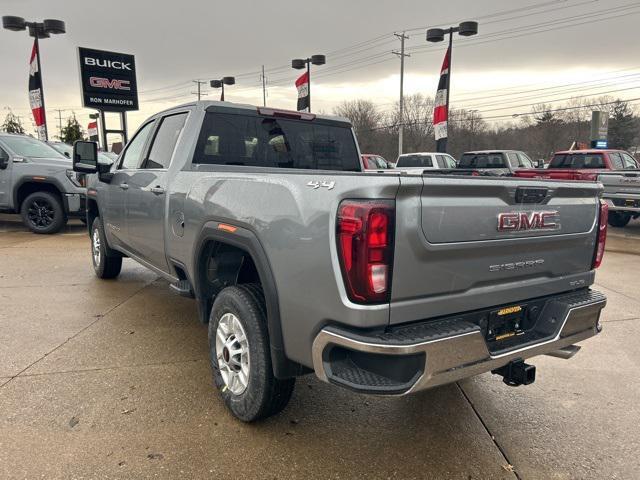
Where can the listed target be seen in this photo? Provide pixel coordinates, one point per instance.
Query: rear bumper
(622, 202)
(415, 357)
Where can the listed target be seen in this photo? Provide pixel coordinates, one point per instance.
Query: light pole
(300, 63)
(466, 29)
(37, 30)
(221, 83)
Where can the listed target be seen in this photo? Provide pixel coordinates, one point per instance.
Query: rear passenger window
(165, 141)
(444, 161)
(616, 161)
(525, 161)
(629, 162)
(228, 139)
(513, 160)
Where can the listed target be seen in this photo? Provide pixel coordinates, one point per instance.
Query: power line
(377, 41)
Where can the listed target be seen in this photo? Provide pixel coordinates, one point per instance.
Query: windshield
(413, 161)
(482, 160)
(63, 148)
(31, 148)
(577, 160)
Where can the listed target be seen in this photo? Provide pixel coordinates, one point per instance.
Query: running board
(183, 288)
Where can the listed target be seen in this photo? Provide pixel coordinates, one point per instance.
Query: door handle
(157, 190)
(124, 186)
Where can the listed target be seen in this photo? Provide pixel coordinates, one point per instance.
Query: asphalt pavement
(110, 379)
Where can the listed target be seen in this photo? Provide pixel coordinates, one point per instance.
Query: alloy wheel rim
(95, 246)
(232, 353)
(40, 213)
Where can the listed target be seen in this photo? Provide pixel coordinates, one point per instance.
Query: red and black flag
(35, 94)
(92, 131)
(302, 84)
(441, 107)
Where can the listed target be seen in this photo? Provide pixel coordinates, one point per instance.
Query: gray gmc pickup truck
(622, 194)
(299, 262)
(38, 182)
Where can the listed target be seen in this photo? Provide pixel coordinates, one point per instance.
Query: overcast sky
(522, 47)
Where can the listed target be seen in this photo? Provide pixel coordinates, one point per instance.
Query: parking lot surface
(110, 379)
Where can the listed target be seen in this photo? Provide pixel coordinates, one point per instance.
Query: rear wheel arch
(242, 260)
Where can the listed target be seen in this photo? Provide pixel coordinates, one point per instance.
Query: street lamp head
(229, 80)
(13, 23)
(435, 35)
(467, 29)
(298, 63)
(37, 30)
(318, 59)
(215, 83)
(54, 26)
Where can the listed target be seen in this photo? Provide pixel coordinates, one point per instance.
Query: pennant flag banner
(441, 109)
(35, 94)
(302, 84)
(92, 131)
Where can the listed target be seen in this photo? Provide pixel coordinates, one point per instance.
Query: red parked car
(371, 161)
(581, 165)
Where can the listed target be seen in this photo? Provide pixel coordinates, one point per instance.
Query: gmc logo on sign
(114, 84)
(516, 221)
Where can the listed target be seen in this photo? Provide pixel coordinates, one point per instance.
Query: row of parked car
(617, 170)
(46, 191)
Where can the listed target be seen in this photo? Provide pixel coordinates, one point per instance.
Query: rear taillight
(602, 234)
(365, 234)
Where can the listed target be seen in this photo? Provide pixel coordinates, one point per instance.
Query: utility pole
(401, 54)
(199, 93)
(59, 122)
(264, 88)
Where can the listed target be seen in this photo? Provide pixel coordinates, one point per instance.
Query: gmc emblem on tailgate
(517, 221)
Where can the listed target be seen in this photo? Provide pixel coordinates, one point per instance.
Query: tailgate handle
(530, 195)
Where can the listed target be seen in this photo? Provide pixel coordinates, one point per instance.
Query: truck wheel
(240, 355)
(617, 219)
(42, 212)
(105, 263)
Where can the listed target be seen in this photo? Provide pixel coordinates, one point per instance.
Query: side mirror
(85, 157)
(540, 163)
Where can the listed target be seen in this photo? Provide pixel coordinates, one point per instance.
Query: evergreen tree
(623, 126)
(12, 124)
(72, 131)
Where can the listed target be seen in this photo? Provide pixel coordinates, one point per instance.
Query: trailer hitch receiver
(516, 373)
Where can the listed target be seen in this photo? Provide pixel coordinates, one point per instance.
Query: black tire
(264, 395)
(619, 219)
(106, 263)
(42, 212)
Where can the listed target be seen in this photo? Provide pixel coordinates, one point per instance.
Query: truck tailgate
(476, 242)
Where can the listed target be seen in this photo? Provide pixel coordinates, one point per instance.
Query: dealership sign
(108, 80)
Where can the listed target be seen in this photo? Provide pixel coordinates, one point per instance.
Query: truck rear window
(249, 140)
(414, 161)
(482, 160)
(577, 160)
